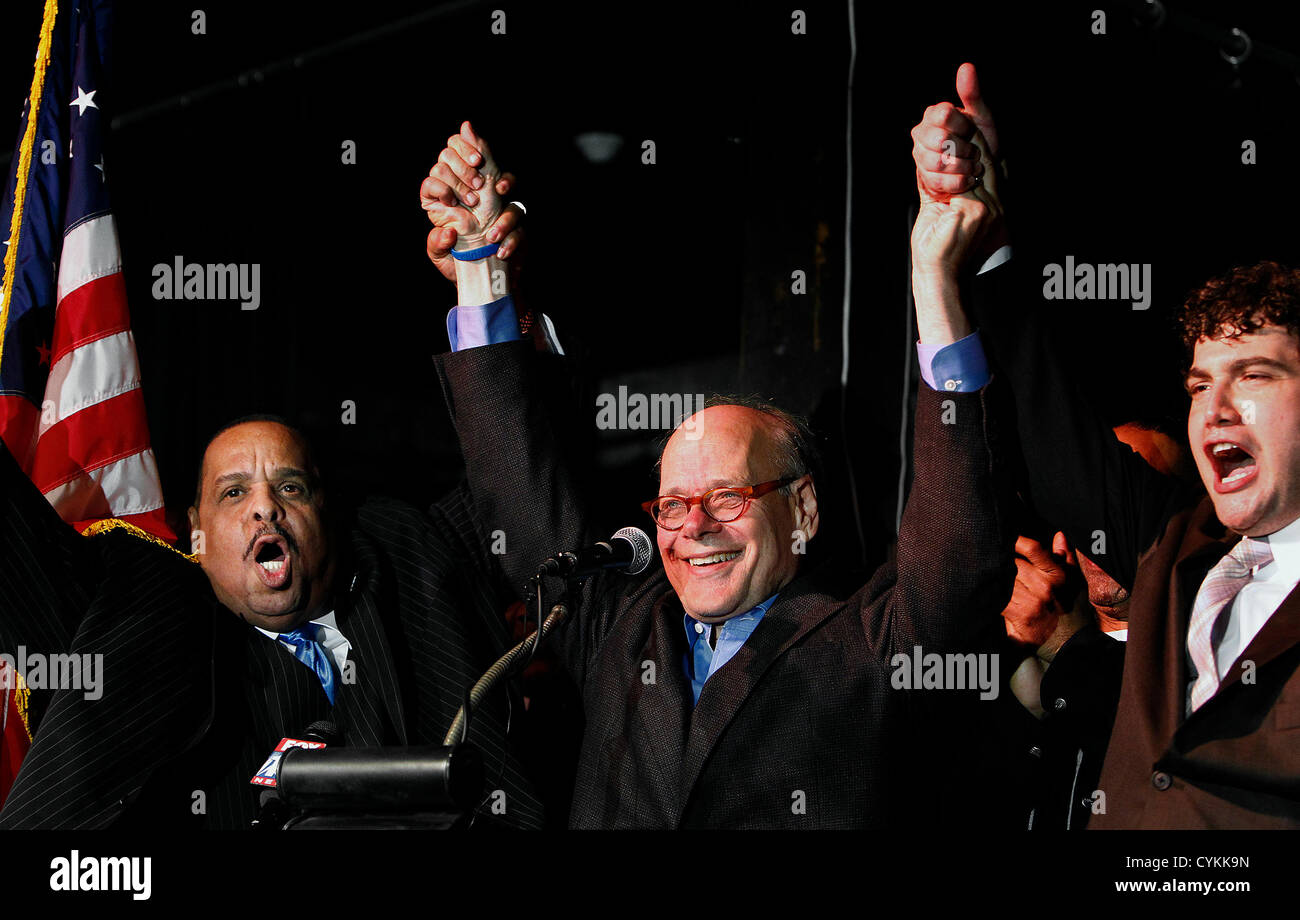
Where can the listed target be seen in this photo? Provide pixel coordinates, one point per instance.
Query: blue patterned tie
(310, 652)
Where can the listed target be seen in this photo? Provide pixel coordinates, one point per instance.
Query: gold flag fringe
(25, 161)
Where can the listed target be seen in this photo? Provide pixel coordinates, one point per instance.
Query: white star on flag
(83, 100)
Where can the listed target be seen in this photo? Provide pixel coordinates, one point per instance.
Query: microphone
(629, 549)
(272, 812)
(317, 735)
(325, 732)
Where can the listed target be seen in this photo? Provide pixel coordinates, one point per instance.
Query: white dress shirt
(1262, 595)
(328, 635)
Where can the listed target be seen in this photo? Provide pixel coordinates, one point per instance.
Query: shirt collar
(1285, 546)
(329, 621)
(737, 627)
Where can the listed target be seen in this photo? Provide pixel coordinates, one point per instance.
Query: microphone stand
(503, 665)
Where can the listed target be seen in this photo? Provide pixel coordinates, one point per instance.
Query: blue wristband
(473, 255)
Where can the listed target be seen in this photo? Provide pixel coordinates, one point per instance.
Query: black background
(1123, 147)
(673, 277)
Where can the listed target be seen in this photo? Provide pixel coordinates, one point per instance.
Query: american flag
(15, 737)
(71, 408)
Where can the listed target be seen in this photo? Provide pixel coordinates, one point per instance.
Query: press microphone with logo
(316, 736)
(272, 813)
(629, 549)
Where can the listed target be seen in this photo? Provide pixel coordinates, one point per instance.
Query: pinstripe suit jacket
(193, 699)
(801, 729)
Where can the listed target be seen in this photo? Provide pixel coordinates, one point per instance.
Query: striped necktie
(311, 653)
(1225, 580)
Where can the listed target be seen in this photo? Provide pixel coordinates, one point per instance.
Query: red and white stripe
(91, 456)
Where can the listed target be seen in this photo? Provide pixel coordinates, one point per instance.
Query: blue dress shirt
(702, 661)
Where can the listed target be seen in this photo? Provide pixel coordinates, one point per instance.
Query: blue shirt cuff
(959, 367)
(487, 324)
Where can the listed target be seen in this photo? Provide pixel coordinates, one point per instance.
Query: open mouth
(1234, 466)
(271, 556)
(702, 562)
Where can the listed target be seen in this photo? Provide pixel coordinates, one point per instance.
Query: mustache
(290, 543)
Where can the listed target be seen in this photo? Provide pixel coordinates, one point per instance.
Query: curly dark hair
(1242, 301)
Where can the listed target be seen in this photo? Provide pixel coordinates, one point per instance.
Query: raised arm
(508, 403)
(954, 567)
(1076, 474)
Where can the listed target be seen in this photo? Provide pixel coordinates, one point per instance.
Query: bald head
(792, 443)
(744, 428)
(722, 569)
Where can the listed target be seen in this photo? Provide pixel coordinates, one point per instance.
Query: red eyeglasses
(724, 504)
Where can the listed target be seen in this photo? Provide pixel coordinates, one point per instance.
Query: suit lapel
(1207, 542)
(792, 617)
(1280, 632)
(284, 695)
(371, 695)
(660, 707)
